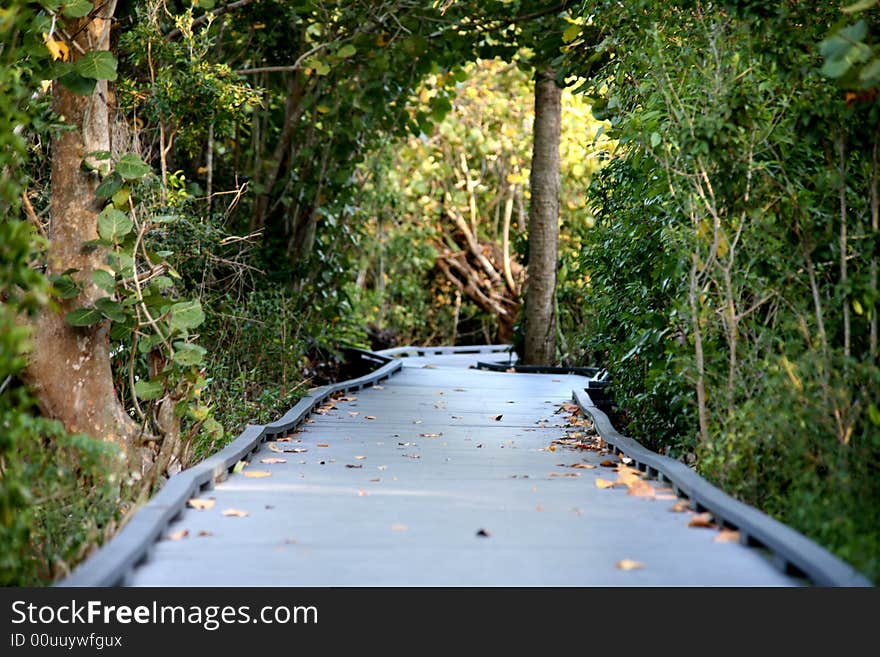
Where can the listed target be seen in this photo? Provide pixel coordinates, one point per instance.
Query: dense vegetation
(285, 178)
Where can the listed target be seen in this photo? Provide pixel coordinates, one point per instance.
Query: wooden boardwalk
(442, 476)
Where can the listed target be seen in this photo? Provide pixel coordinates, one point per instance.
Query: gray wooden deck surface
(394, 487)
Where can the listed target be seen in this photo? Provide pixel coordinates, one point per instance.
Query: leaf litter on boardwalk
(235, 513)
(629, 564)
(200, 503)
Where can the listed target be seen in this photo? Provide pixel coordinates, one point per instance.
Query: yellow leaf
(702, 520)
(857, 306)
(257, 474)
(604, 483)
(629, 564)
(727, 536)
(641, 488)
(235, 513)
(200, 503)
(58, 49)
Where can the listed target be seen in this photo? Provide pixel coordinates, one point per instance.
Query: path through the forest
(444, 475)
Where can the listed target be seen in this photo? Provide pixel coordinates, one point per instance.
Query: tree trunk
(69, 368)
(540, 334)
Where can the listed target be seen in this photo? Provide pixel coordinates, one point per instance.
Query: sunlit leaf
(704, 520)
(97, 65)
(200, 503)
(235, 513)
(256, 474)
(629, 564)
(727, 536)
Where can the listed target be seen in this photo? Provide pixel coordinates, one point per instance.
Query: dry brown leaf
(204, 533)
(496, 418)
(178, 535)
(539, 508)
(200, 503)
(323, 444)
(604, 483)
(352, 465)
(641, 488)
(370, 417)
(429, 367)
(627, 476)
(681, 506)
(583, 466)
(296, 450)
(235, 513)
(629, 564)
(257, 474)
(607, 463)
(397, 527)
(727, 536)
(362, 493)
(273, 460)
(702, 520)
(273, 447)
(552, 447)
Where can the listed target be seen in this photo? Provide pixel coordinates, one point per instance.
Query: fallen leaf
(204, 533)
(510, 370)
(362, 493)
(412, 456)
(552, 448)
(702, 520)
(629, 564)
(378, 387)
(257, 474)
(397, 527)
(482, 533)
(381, 467)
(681, 506)
(429, 367)
(323, 444)
(556, 475)
(608, 464)
(430, 435)
(627, 476)
(296, 450)
(354, 413)
(460, 389)
(352, 465)
(641, 488)
(239, 467)
(236, 513)
(727, 536)
(497, 418)
(200, 503)
(273, 460)
(359, 458)
(375, 480)
(583, 466)
(178, 535)
(539, 508)
(370, 417)
(273, 447)
(604, 483)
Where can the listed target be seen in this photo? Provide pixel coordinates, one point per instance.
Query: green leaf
(835, 68)
(571, 33)
(188, 354)
(239, 467)
(83, 317)
(114, 224)
(186, 315)
(870, 75)
(163, 282)
(104, 280)
(874, 414)
(111, 309)
(131, 167)
(121, 263)
(655, 140)
(120, 198)
(861, 5)
(109, 186)
(147, 390)
(65, 286)
(76, 8)
(96, 65)
(346, 51)
(78, 84)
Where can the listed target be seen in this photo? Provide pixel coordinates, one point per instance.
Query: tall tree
(540, 334)
(69, 367)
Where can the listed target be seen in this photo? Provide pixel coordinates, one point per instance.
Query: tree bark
(69, 368)
(540, 333)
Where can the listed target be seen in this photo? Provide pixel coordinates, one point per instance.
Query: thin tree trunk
(69, 368)
(844, 247)
(702, 410)
(540, 334)
(875, 231)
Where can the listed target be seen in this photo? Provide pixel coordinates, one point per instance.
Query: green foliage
(733, 283)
